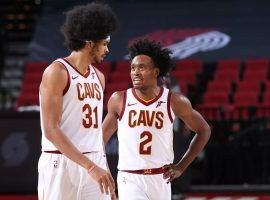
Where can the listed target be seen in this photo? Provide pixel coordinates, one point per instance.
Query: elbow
(104, 140)
(49, 131)
(207, 132)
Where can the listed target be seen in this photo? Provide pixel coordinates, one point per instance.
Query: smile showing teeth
(137, 79)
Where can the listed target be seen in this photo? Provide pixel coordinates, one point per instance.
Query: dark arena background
(221, 49)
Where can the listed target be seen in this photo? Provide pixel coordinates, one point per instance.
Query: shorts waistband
(59, 152)
(160, 170)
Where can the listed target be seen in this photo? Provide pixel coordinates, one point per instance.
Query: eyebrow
(140, 64)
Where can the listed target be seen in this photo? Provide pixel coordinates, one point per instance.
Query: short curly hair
(94, 21)
(160, 56)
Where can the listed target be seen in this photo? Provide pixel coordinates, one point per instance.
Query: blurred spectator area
(225, 90)
(17, 26)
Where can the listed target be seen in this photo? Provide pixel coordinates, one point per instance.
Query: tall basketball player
(72, 164)
(144, 117)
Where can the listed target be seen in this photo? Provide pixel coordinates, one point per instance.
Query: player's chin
(99, 60)
(137, 86)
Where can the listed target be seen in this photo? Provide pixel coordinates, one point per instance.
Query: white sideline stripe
(247, 198)
(196, 198)
(221, 198)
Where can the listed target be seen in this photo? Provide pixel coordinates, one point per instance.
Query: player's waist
(59, 152)
(151, 171)
(93, 146)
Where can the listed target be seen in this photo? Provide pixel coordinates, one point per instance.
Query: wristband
(91, 168)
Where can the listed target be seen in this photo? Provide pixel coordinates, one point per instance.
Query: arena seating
(29, 90)
(237, 90)
(242, 87)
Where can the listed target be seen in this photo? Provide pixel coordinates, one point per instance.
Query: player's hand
(113, 196)
(104, 178)
(171, 172)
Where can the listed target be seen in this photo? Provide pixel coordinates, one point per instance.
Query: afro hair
(160, 56)
(94, 21)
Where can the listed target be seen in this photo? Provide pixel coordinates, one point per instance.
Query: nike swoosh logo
(74, 77)
(131, 104)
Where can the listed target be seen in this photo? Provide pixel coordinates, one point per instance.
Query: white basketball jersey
(82, 110)
(145, 131)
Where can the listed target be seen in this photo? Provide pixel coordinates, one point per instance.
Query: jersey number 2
(145, 143)
(90, 116)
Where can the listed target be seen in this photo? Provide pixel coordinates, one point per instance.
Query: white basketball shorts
(62, 179)
(142, 187)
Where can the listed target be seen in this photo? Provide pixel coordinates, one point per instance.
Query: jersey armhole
(123, 105)
(68, 81)
(169, 106)
(103, 87)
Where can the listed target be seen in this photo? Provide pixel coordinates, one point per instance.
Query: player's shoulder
(99, 73)
(179, 99)
(55, 68)
(118, 96)
(55, 76)
(116, 102)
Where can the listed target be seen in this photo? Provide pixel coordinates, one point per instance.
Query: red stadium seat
(219, 85)
(122, 66)
(32, 78)
(120, 76)
(229, 64)
(243, 101)
(183, 87)
(113, 87)
(257, 64)
(264, 108)
(215, 104)
(105, 68)
(232, 75)
(28, 88)
(187, 76)
(36, 67)
(267, 86)
(255, 75)
(246, 86)
(27, 100)
(215, 98)
(246, 98)
(189, 65)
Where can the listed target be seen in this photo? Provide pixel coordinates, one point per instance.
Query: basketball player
(144, 116)
(72, 164)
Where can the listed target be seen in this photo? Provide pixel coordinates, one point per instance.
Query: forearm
(63, 144)
(107, 137)
(196, 146)
(109, 127)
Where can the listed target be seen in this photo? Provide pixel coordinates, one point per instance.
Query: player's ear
(157, 71)
(89, 44)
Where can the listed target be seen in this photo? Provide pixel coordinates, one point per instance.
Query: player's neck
(147, 94)
(80, 61)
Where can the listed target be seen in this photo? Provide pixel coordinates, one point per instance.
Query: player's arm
(53, 82)
(182, 108)
(109, 125)
(102, 80)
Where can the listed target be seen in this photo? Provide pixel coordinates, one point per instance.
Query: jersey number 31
(90, 116)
